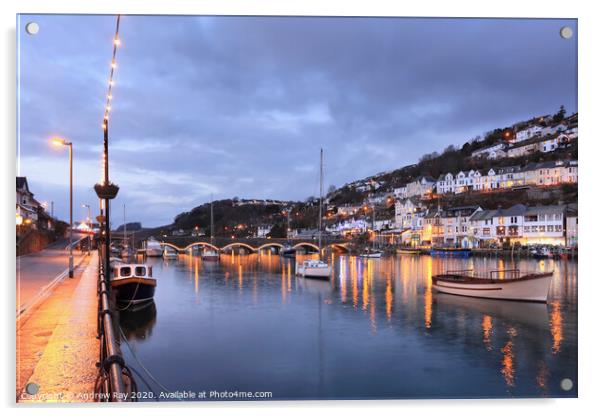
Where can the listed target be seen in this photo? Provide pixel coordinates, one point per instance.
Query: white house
(551, 173)
(528, 133)
(520, 223)
(422, 186)
(455, 223)
(263, 231)
(406, 212)
(491, 152)
(27, 206)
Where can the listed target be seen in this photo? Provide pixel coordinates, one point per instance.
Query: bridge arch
(342, 247)
(178, 249)
(304, 244)
(201, 243)
(237, 244)
(280, 246)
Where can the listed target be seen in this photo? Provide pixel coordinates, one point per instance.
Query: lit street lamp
(57, 141)
(89, 215)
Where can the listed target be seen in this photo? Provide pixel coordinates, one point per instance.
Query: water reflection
(378, 329)
(137, 322)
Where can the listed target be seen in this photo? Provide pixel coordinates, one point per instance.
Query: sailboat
(372, 252)
(209, 254)
(126, 251)
(317, 268)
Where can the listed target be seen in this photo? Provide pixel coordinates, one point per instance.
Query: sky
(240, 106)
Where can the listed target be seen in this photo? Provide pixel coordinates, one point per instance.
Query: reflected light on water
(556, 326)
(508, 365)
(487, 326)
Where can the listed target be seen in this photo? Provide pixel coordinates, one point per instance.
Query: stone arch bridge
(183, 244)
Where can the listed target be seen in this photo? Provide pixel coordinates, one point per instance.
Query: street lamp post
(62, 142)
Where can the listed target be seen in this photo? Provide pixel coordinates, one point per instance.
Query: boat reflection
(137, 323)
(531, 314)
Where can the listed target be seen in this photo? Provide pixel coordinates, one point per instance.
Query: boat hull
(134, 290)
(152, 252)
(532, 289)
(371, 256)
(315, 272)
(451, 252)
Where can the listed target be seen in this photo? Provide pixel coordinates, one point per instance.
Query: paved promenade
(37, 271)
(57, 347)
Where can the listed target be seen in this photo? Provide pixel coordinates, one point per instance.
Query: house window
(558, 228)
(486, 231)
(550, 228)
(542, 228)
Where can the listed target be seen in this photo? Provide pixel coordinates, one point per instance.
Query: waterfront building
(455, 224)
(263, 231)
(520, 224)
(571, 226)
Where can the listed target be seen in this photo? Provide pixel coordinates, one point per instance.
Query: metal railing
(112, 368)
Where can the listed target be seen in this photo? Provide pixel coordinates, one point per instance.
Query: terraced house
(534, 174)
(520, 224)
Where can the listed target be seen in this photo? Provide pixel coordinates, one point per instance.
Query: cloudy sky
(240, 106)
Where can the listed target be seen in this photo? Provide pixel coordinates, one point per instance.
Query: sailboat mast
(320, 204)
(211, 219)
(124, 228)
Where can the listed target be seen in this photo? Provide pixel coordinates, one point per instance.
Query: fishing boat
(451, 252)
(509, 284)
(371, 253)
(408, 250)
(541, 253)
(288, 251)
(316, 268)
(209, 254)
(153, 248)
(133, 283)
(170, 253)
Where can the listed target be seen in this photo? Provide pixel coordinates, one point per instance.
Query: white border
(590, 202)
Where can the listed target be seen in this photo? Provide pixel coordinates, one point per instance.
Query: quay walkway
(57, 348)
(38, 272)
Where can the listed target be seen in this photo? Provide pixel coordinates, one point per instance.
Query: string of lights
(105, 122)
(116, 43)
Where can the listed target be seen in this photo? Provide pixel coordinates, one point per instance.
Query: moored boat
(450, 251)
(314, 268)
(153, 248)
(210, 255)
(170, 253)
(371, 254)
(499, 284)
(288, 251)
(133, 283)
(408, 250)
(541, 253)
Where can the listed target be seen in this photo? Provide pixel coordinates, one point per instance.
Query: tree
(559, 116)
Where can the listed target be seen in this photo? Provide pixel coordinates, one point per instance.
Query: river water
(376, 330)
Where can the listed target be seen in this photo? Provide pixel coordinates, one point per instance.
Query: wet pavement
(57, 349)
(36, 271)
